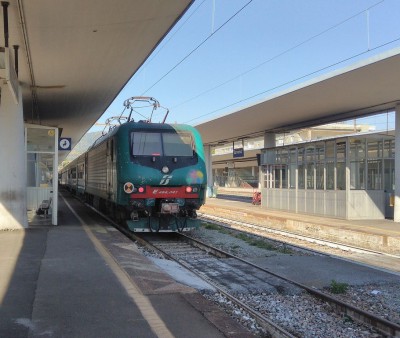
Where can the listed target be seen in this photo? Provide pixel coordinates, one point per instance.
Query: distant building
(243, 172)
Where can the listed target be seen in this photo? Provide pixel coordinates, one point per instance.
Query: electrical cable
(196, 48)
(294, 80)
(278, 55)
(153, 56)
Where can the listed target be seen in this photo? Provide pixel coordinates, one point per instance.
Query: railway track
(192, 254)
(294, 239)
(231, 275)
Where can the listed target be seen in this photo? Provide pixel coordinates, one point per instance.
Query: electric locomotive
(151, 176)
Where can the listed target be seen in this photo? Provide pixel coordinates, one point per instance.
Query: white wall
(13, 213)
(332, 203)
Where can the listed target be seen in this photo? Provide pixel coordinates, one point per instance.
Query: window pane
(330, 149)
(388, 149)
(292, 169)
(81, 171)
(284, 156)
(310, 154)
(310, 175)
(319, 152)
(39, 170)
(340, 176)
(40, 139)
(178, 144)
(330, 175)
(300, 155)
(357, 175)
(389, 175)
(341, 150)
(284, 177)
(293, 155)
(146, 144)
(277, 156)
(357, 150)
(374, 149)
(375, 175)
(269, 156)
(301, 176)
(277, 177)
(319, 172)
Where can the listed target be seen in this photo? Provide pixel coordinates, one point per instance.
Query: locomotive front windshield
(162, 144)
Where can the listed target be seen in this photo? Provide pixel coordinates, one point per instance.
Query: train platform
(83, 278)
(378, 235)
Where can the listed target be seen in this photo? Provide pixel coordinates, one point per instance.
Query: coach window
(81, 170)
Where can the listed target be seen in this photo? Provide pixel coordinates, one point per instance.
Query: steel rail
(272, 328)
(382, 325)
(335, 245)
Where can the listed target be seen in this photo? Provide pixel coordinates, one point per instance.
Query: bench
(44, 207)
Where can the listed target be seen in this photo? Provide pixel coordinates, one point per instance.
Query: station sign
(64, 143)
(238, 152)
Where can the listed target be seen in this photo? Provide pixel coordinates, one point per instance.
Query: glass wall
(41, 167)
(321, 165)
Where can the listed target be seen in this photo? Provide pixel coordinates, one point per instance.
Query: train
(150, 176)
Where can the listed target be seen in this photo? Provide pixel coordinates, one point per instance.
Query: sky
(224, 55)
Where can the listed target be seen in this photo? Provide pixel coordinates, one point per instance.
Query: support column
(396, 216)
(347, 176)
(13, 213)
(210, 178)
(269, 140)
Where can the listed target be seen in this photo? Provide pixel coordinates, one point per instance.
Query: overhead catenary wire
(197, 47)
(294, 80)
(281, 54)
(154, 55)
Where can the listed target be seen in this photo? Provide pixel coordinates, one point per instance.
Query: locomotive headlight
(165, 170)
(188, 189)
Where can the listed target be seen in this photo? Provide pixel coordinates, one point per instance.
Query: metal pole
(5, 19)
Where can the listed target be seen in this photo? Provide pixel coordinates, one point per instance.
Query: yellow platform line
(149, 313)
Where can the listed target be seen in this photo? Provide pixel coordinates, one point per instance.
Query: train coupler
(134, 216)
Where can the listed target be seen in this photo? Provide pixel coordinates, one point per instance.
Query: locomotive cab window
(180, 144)
(146, 144)
(162, 144)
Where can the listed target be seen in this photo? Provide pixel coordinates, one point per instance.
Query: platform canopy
(75, 56)
(367, 87)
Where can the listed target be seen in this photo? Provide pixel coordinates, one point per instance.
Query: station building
(232, 171)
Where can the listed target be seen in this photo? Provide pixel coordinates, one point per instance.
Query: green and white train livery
(151, 176)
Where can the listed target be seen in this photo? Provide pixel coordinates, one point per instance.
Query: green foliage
(259, 243)
(210, 226)
(338, 288)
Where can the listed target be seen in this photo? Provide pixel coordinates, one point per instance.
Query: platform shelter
(350, 177)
